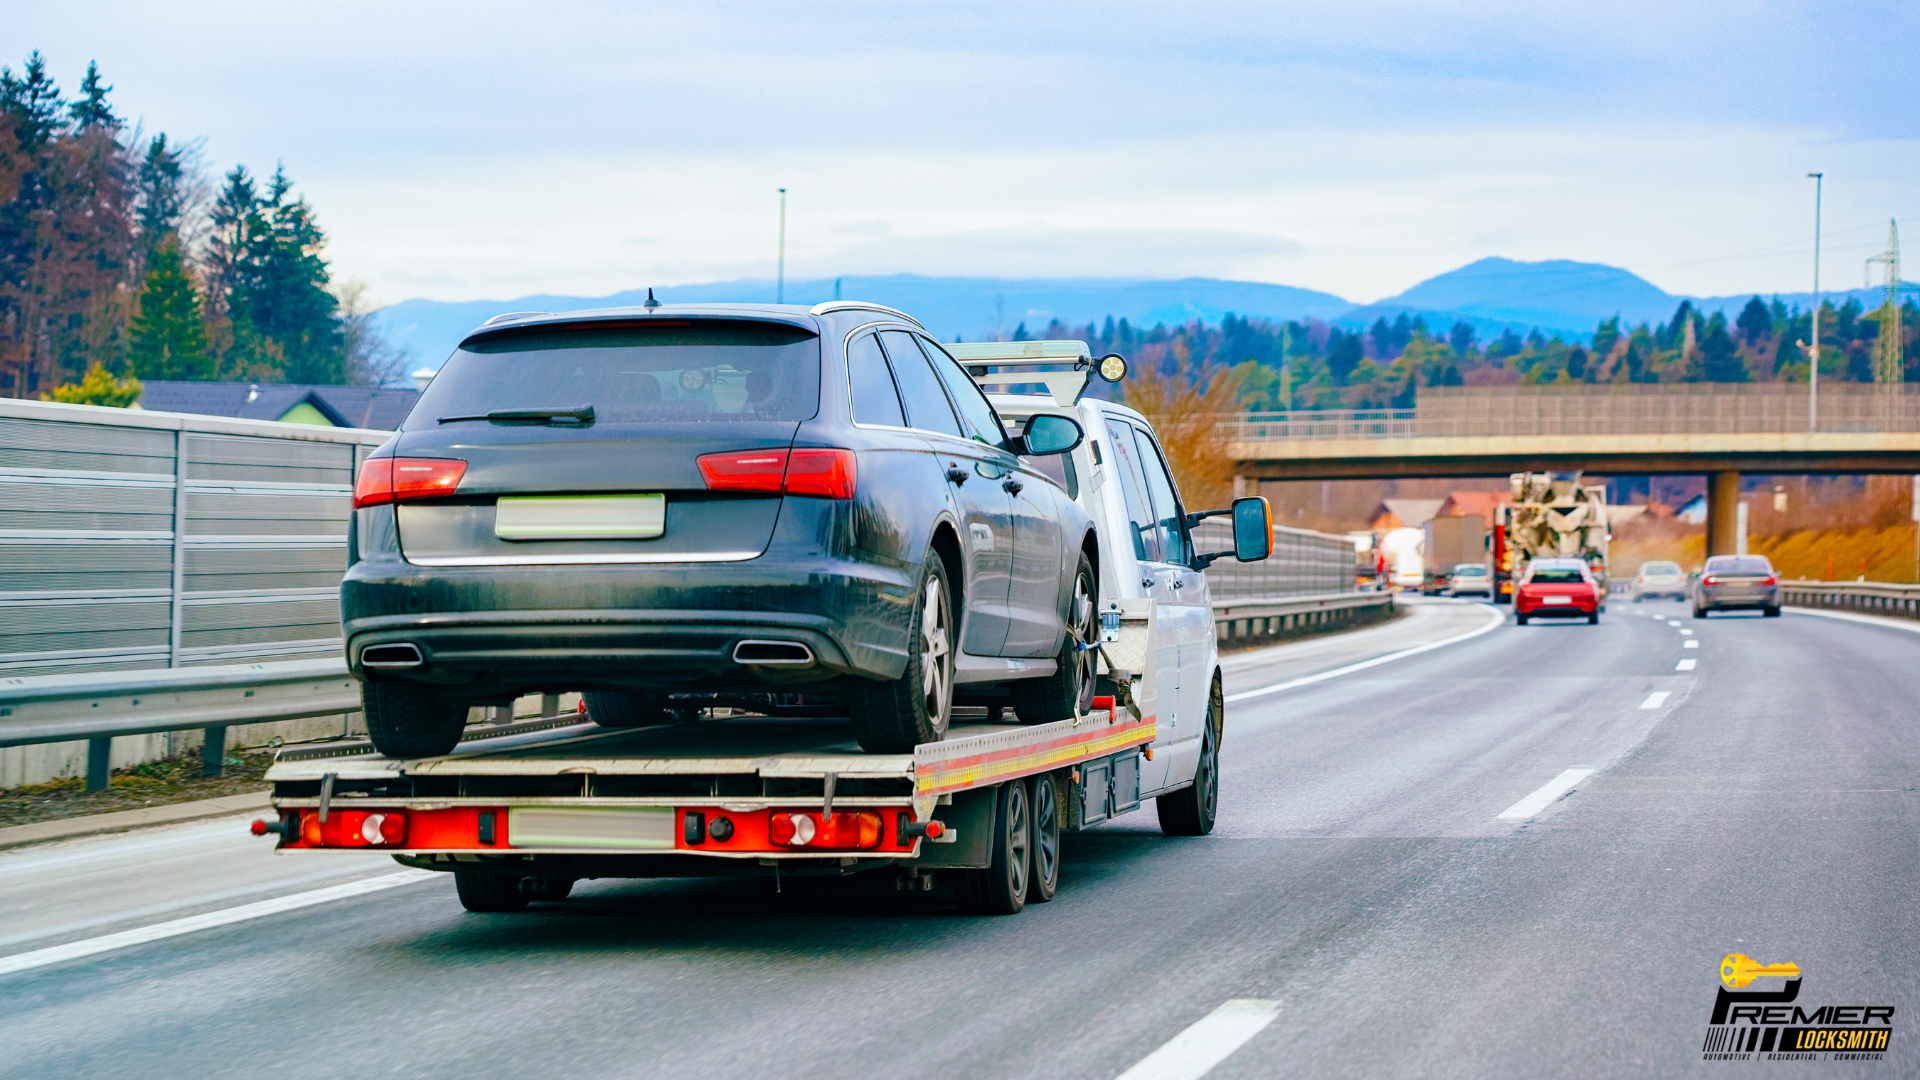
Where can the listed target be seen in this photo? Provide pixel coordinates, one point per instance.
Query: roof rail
(1025, 358)
(512, 315)
(861, 305)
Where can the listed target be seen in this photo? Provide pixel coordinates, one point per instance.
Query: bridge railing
(1606, 409)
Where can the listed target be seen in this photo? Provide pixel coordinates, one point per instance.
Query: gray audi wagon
(663, 504)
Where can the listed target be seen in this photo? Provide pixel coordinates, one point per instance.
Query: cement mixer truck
(1553, 516)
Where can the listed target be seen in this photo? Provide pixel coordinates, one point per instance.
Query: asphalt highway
(1448, 847)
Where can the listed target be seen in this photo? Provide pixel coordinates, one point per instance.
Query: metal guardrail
(1239, 618)
(97, 706)
(1867, 597)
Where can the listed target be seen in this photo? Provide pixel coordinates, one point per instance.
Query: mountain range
(1494, 295)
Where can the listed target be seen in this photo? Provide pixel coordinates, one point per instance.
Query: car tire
(625, 708)
(411, 720)
(1772, 612)
(1068, 692)
(1191, 810)
(894, 716)
(1519, 618)
(1043, 877)
(1699, 612)
(1593, 619)
(483, 892)
(1000, 888)
(1639, 599)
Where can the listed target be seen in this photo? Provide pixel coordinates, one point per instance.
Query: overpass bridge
(1718, 431)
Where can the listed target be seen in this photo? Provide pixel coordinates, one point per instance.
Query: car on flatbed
(518, 813)
(678, 505)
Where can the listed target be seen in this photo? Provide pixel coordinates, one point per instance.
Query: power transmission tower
(1890, 363)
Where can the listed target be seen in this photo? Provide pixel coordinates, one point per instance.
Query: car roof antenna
(651, 302)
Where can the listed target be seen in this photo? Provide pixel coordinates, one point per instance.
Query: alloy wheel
(936, 657)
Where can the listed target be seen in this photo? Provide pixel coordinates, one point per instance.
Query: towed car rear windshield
(681, 371)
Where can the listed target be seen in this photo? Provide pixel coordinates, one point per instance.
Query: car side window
(875, 401)
(1170, 521)
(927, 405)
(975, 411)
(1133, 487)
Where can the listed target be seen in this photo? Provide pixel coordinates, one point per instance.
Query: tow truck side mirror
(1252, 528)
(1048, 433)
(1252, 531)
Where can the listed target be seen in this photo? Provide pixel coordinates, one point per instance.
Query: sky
(490, 150)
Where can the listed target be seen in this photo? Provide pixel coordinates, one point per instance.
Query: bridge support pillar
(1723, 511)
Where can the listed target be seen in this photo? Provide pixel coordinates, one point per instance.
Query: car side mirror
(1048, 433)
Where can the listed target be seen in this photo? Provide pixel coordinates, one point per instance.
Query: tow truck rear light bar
(474, 828)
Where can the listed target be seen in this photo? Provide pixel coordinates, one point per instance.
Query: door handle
(1012, 486)
(956, 474)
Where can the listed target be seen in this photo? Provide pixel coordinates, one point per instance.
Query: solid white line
(1685, 665)
(1194, 1052)
(1870, 620)
(1690, 643)
(1498, 619)
(73, 950)
(1656, 699)
(1544, 797)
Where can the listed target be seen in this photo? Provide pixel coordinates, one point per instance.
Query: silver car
(1660, 579)
(1733, 582)
(1471, 579)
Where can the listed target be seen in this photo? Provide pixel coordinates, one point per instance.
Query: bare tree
(372, 360)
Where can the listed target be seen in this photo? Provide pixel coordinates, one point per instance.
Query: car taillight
(850, 830)
(824, 473)
(1771, 580)
(1709, 580)
(385, 480)
(354, 828)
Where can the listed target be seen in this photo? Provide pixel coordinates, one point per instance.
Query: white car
(1471, 579)
(1659, 579)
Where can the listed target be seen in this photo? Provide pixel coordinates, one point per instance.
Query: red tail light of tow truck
(345, 828)
(843, 830)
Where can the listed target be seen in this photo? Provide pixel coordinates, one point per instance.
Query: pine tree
(1755, 322)
(1720, 359)
(160, 194)
(168, 340)
(91, 110)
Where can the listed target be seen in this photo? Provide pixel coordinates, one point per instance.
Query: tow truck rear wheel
(895, 716)
(1068, 692)
(1000, 888)
(1044, 876)
(483, 892)
(411, 720)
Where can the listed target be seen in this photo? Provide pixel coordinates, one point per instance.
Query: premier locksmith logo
(1770, 1025)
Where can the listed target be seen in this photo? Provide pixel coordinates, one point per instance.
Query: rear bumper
(1556, 610)
(490, 631)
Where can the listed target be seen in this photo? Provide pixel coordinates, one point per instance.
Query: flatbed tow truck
(519, 812)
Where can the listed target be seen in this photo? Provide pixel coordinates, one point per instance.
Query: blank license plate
(580, 517)
(1556, 599)
(611, 828)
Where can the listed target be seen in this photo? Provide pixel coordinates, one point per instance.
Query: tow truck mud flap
(1108, 787)
(971, 818)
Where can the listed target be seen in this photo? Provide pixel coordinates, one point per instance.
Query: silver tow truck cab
(1158, 654)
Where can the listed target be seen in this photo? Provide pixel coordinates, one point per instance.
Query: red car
(1557, 588)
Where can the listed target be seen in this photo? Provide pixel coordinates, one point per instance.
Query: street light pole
(1813, 392)
(780, 277)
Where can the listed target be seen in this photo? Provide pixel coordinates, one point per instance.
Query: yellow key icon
(1738, 969)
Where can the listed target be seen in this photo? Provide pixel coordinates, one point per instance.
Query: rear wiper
(581, 415)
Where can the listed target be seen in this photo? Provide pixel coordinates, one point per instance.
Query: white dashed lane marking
(1656, 699)
(1545, 796)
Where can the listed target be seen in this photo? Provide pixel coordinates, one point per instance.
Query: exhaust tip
(790, 653)
(402, 655)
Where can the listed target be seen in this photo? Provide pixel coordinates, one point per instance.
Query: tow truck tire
(483, 892)
(1001, 887)
(410, 720)
(546, 888)
(1191, 810)
(625, 708)
(895, 716)
(1068, 692)
(1043, 877)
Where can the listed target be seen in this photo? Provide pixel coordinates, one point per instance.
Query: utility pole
(1813, 392)
(1892, 364)
(780, 275)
